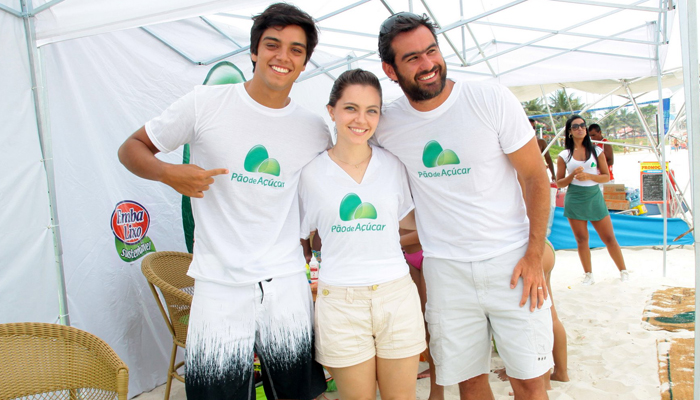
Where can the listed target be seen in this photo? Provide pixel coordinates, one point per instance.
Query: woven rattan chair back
(167, 270)
(49, 361)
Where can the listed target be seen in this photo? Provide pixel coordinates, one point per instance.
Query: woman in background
(581, 167)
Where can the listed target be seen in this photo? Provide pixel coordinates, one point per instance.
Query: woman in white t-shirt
(368, 322)
(581, 167)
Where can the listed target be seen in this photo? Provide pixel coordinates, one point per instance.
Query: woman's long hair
(569, 140)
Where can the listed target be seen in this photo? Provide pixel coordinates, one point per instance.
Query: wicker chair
(49, 361)
(167, 270)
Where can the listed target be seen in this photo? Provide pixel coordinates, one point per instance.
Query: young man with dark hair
(595, 133)
(249, 143)
(277, 15)
(464, 147)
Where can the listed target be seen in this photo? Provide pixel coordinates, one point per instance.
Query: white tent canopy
(78, 76)
(669, 79)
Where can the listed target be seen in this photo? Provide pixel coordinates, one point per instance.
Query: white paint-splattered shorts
(228, 324)
(468, 303)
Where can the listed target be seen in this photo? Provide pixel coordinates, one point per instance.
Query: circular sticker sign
(130, 222)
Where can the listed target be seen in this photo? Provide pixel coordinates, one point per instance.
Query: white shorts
(468, 302)
(227, 324)
(353, 324)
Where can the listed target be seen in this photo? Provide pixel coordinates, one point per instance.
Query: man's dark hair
(395, 25)
(353, 77)
(594, 127)
(531, 120)
(280, 15)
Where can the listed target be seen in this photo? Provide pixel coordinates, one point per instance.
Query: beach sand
(612, 354)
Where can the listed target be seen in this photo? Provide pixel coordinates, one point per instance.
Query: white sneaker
(588, 279)
(624, 275)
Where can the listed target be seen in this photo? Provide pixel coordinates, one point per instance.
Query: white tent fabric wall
(27, 269)
(107, 296)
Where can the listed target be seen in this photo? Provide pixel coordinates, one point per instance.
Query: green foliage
(639, 141)
(624, 118)
(559, 101)
(534, 107)
(554, 153)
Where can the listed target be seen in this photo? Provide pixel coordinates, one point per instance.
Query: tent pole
(447, 38)
(588, 107)
(563, 33)
(679, 116)
(621, 6)
(541, 38)
(551, 118)
(651, 147)
(660, 128)
(464, 38)
(645, 126)
(568, 100)
(687, 16)
(335, 65)
(341, 10)
(35, 73)
(10, 11)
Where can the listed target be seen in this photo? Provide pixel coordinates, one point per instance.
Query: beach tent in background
(78, 76)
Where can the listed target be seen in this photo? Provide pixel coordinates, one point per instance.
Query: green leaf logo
(593, 165)
(224, 73)
(435, 156)
(351, 207)
(258, 160)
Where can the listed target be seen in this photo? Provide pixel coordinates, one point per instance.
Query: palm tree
(608, 125)
(534, 107)
(649, 113)
(560, 101)
(630, 119)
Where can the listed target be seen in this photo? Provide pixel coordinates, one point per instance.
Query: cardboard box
(615, 196)
(617, 204)
(613, 188)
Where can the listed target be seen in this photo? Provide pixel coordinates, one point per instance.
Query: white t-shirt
(358, 222)
(247, 224)
(469, 205)
(590, 166)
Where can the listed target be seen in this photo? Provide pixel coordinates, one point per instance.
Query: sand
(612, 354)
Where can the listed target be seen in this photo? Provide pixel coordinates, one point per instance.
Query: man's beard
(413, 90)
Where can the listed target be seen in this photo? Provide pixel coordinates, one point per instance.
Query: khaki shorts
(355, 324)
(468, 303)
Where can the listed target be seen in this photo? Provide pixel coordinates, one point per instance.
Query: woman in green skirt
(581, 167)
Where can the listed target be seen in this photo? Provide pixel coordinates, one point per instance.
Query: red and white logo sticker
(130, 222)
